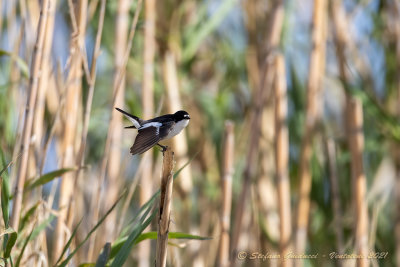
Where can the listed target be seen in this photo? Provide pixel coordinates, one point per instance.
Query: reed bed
(290, 157)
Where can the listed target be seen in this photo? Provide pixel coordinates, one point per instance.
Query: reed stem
(313, 113)
(226, 182)
(282, 160)
(27, 130)
(356, 139)
(167, 182)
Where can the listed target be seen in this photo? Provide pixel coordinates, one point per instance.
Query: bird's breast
(177, 128)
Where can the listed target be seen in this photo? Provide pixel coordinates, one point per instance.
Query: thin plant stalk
(46, 80)
(396, 13)
(164, 214)
(282, 160)
(27, 130)
(80, 158)
(15, 75)
(116, 126)
(336, 203)
(71, 116)
(144, 248)
(341, 40)
(353, 114)
(316, 73)
(174, 104)
(226, 182)
(356, 139)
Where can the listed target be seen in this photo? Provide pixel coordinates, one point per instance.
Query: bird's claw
(163, 148)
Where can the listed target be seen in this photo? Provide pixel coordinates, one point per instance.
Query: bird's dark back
(163, 118)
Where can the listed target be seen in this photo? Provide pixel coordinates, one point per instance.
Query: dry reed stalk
(116, 126)
(80, 160)
(252, 55)
(341, 40)
(72, 101)
(148, 58)
(336, 205)
(167, 182)
(356, 139)
(27, 130)
(11, 12)
(395, 14)
(316, 72)
(15, 75)
(174, 104)
(282, 159)
(132, 32)
(145, 191)
(226, 182)
(129, 196)
(261, 95)
(45, 81)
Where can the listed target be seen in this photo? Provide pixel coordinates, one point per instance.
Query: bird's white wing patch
(151, 124)
(135, 122)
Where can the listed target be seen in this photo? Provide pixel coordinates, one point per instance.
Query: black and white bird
(150, 132)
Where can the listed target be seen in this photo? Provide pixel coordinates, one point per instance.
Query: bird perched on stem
(150, 132)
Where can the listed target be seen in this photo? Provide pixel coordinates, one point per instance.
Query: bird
(151, 132)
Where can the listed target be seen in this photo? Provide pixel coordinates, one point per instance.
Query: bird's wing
(149, 135)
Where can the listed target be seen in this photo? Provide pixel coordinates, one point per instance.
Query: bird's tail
(135, 120)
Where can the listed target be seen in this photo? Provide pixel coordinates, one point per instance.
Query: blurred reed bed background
(292, 148)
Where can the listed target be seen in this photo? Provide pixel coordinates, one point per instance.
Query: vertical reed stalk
(35, 72)
(252, 55)
(316, 72)
(356, 139)
(167, 182)
(351, 108)
(396, 18)
(174, 104)
(336, 205)
(226, 182)
(116, 127)
(341, 40)
(148, 112)
(282, 159)
(46, 80)
(15, 76)
(88, 107)
(72, 102)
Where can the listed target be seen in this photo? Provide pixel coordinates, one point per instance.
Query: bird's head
(181, 115)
